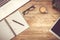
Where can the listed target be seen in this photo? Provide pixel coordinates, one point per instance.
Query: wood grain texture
(39, 23)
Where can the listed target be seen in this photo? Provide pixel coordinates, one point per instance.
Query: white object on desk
(17, 16)
(11, 6)
(6, 32)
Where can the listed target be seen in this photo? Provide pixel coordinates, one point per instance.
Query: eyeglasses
(29, 9)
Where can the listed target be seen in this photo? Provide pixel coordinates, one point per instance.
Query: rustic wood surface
(39, 23)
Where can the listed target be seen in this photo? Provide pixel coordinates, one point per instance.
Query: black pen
(17, 22)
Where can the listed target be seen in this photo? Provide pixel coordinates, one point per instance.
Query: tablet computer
(55, 30)
(9, 6)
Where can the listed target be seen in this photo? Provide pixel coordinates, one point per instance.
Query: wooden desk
(40, 24)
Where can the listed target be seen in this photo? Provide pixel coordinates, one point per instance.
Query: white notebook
(5, 32)
(16, 22)
(8, 6)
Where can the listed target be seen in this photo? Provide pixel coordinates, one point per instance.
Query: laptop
(2, 2)
(9, 6)
(55, 30)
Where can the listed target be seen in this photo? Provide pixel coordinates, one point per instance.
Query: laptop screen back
(56, 28)
(2, 2)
